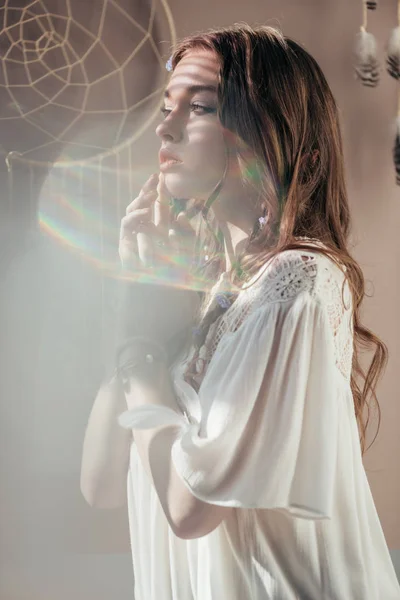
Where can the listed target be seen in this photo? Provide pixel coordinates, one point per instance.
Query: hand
(157, 256)
(160, 247)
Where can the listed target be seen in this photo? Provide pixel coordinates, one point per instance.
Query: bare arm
(188, 516)
(106, 449)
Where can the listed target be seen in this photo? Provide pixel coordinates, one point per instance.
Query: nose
(171, 129)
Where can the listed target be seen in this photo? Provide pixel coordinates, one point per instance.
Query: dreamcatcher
(367, 66)
(80, 82)
(68, 66)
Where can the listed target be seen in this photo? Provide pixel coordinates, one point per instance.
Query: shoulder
(294, 272)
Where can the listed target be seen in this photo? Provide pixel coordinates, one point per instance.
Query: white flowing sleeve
(268, 432)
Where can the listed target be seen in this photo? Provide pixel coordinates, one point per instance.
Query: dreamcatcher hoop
(39, 49)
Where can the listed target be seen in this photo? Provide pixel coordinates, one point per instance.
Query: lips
(167, 157)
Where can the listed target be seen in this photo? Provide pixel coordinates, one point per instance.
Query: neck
(236, 218)
(236, 213)
(236, 234)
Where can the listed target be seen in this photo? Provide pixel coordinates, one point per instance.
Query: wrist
(139, 357)
(146, 385)
(150, 385)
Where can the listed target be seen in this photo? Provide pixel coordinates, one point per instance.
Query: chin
(180, 187)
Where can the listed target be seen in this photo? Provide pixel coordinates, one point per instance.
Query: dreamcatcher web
(63, 70)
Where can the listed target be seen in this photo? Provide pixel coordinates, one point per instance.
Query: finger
(149, 187)
(145, 242)
(143, 200)
(162, 207)
(133, 221)
(137, 247)
(151, 183)
(184, 224)
(174, 242)
(178, 205)
(128, 252)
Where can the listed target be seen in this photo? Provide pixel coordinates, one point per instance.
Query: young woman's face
(192, 154)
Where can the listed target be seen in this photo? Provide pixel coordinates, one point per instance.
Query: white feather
(393, 46)
(365, 46)
(393, 54)
(367, 65)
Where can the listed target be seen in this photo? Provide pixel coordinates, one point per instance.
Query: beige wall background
(53, 546)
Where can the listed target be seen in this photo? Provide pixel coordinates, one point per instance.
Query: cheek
(204, 162)
(206, 150)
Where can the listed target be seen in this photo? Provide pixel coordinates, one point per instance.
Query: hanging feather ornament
(367, 64)
(396, 149)
(393, 68)
(393, 51)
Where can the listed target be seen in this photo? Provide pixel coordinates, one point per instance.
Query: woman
(245, 479)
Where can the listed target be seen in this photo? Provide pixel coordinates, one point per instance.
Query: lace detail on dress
(286, 276)
(333, 289)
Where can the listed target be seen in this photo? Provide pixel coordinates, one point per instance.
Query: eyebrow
(194, 89)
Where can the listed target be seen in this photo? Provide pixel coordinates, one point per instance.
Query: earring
(168, 64)
(262, 221)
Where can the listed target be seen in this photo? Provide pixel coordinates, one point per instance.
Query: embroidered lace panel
(289, 274)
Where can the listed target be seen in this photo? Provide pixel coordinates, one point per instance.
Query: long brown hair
(275, 100)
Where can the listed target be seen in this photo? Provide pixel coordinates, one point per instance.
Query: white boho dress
(271, 432)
